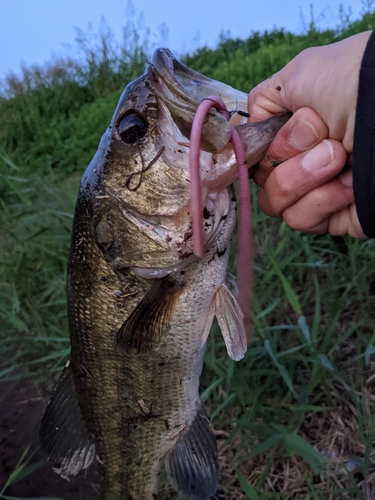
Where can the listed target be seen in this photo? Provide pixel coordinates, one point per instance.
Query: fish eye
(132, 127)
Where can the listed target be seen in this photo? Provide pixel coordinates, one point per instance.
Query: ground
(21, 410)
(334, 432)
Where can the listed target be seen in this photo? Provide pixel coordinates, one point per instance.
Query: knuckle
(265, 203)
(284, 183)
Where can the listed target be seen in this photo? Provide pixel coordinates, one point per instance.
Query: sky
(33, 31)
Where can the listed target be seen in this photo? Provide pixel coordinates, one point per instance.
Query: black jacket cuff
(364, 142)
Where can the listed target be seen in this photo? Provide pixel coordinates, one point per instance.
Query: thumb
(304, 130)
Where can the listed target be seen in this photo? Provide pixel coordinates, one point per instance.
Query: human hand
(311, 85)
(309, 190)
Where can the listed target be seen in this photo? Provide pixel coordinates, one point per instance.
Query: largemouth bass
(140, 303)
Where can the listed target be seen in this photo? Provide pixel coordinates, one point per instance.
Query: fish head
(138, 183)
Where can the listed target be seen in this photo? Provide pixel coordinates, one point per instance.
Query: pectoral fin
(192, 465)
(63, 435)
(151, 316)
(230, 319)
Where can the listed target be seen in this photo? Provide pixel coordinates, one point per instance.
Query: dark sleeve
(364, 142)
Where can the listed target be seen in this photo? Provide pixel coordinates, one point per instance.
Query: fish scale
(130, 444)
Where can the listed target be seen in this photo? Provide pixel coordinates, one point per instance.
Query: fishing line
(231, 112)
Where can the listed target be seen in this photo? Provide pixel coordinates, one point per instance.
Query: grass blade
(280, 368)
(246, 486)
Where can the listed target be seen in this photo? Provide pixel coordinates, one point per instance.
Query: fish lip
(171, 70)
(190, 85)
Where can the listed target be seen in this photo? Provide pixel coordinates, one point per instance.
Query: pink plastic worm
(244, 265)
(209, 102)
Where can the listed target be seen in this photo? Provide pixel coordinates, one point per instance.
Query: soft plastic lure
(245, 254)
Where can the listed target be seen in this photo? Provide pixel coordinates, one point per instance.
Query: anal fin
(63, 434)
(192, 465)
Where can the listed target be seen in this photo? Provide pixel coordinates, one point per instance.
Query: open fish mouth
(190, 85)
(183, 89)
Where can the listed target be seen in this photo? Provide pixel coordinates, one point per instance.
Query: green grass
(36, 222)
(313, 353)
(314, 325)
(22, 470)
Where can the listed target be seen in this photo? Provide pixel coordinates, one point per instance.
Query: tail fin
(192, 465)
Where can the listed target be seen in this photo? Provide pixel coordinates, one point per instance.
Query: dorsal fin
(151, 316)
(63, 434)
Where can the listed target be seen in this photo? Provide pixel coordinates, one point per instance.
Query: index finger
(266, 99)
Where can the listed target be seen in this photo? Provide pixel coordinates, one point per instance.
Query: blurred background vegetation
(296, 416)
